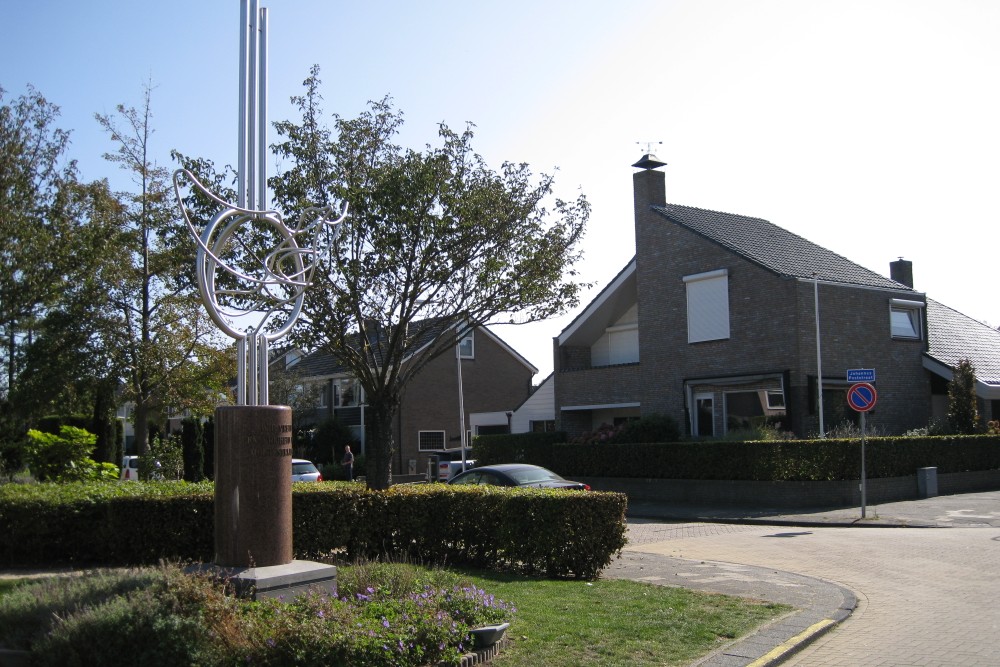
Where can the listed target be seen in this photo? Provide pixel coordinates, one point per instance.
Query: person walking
(348, 463)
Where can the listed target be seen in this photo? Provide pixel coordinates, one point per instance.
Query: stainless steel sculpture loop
(254, 288)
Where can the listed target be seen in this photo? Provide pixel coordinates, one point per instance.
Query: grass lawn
(615, 622)
(606, 622)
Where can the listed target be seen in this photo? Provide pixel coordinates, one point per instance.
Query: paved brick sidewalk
(926, 597)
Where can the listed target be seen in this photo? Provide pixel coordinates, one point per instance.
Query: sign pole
(862, 397)
(864, 482)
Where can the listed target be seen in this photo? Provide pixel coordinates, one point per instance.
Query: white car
(130, 468)
(305, 471)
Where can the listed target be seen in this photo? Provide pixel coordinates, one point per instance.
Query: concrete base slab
(275, 581)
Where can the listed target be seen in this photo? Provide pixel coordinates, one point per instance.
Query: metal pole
(261, 163)
(252, 81)
(262, 371)
(241, 159)
(241, 371)
(819, 360)
(461, 400)
(864, 483)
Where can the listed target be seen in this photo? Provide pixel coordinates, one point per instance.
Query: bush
(165, 617)
(65, 457)
(557, 533)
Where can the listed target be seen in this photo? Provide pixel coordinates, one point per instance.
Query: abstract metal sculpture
(255, 296)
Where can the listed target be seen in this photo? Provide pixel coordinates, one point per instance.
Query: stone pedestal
(253, 486)
(276, 581)
(253, 507)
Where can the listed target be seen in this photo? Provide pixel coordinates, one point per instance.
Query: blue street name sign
(860, 374)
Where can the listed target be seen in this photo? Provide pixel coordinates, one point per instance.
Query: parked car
(450, 463)
(517, 474)
(130, 468)
(305, 471)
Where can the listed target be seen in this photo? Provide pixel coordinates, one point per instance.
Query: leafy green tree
(157, 331)
(44, 221)
(436, 243)
(963, 414)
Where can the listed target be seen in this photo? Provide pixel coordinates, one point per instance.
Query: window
(618, 345)
(775, 400)
(904, 318)
(542, 426)
(704, 416)
(346, 392)
(467, 347)
(708, 305)
(430, 440)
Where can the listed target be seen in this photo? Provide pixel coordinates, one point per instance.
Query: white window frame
(707, 305)
(911, 311)
(437, 446)
(468, 341)
(777, 393)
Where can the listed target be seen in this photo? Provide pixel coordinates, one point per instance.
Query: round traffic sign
(862, 396)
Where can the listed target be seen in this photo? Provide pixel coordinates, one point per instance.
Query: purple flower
(385, 622)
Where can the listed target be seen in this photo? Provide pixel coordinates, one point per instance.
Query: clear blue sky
(869, 127)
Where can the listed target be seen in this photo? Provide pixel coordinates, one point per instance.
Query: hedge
(772, 460)
(555, 533)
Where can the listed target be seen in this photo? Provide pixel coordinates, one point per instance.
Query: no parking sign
(862, 396)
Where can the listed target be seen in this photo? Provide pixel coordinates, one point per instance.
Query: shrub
(650, 428)
(65, 457)
(163, 616)
(963, 417)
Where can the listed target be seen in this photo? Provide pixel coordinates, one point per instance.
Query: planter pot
(488, 635)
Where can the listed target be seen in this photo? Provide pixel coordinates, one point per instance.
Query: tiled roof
(774, 248)
(320, 363)
(952, 336)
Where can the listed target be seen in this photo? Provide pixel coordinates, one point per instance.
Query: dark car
(516, 474)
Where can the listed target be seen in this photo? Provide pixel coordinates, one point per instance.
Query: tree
(159, 333)
(436, 243)
(39, 221)
(963, 415)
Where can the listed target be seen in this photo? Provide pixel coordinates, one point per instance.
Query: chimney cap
(649, 161)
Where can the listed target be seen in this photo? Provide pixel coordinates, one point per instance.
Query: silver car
(305, 471)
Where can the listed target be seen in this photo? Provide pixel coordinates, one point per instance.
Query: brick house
(714, 322)
(495, 379)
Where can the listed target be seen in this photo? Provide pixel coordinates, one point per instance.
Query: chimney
(902, 272)
(648, 185)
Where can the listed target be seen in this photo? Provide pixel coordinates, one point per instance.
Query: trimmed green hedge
(777, 460)
(556, 533)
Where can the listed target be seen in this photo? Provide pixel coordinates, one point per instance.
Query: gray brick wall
(494, 381)
(772, 332)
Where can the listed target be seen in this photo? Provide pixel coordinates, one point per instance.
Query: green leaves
(432, 235)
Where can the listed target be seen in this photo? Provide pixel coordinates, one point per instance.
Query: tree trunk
(379, 447)
(140, 423)
(104, 424)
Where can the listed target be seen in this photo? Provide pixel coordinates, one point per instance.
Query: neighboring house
(495, 379)
(535, 415)
(714, 323)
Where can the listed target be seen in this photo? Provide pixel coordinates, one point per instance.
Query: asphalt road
(926, 595)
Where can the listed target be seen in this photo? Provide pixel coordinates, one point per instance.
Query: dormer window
(904, 319)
